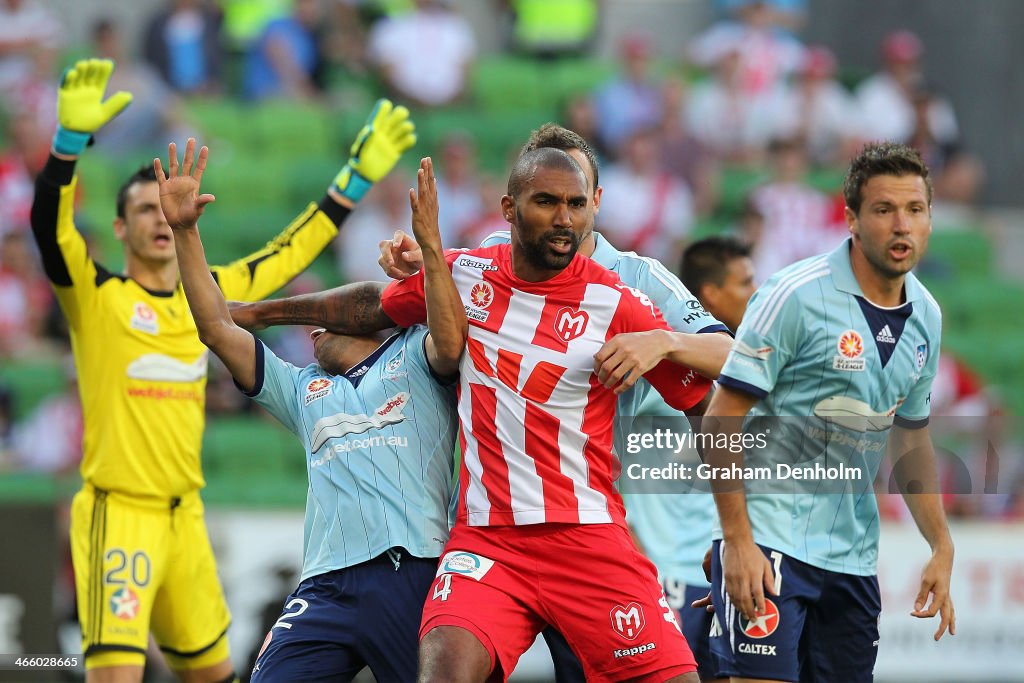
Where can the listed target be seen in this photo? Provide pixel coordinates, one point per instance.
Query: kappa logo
(764, 625)
(124, 603)
(570, 324)
(478, 264)
(628, 621)
(144, 318)
(850, 347)
(634, 651)
(885, 336)
(317, 389)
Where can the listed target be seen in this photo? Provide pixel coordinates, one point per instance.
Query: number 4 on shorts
(443, 588)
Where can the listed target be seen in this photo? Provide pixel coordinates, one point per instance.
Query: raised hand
(80, 109)
(423, 201)
(378, 147)
(179, 193)
(400, 256)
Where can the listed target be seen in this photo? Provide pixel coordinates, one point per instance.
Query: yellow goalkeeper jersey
(141, 366)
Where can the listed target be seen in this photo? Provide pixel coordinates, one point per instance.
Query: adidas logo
(885, 336)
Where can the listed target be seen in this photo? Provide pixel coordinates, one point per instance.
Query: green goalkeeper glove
(388, 132)
(80, 113)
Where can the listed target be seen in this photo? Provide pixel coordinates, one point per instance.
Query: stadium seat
(249, 460)
(31, 382)
(508, 84)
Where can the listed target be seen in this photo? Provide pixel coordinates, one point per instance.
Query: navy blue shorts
(337, 623)
(695, 623)
(822, 627)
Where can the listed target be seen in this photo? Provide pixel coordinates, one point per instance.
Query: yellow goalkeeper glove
(80, 111)
(388, 132)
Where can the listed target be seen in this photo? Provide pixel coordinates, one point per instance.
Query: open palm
(179, 193)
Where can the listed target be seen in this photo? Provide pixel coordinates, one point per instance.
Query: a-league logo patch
(628, 621)
(850, 346)
(124, 603)
(481, 295)
(764, 625)
(144, 318)
(317, 389)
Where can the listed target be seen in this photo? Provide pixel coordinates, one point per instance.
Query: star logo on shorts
(124, 603)
(764, 624)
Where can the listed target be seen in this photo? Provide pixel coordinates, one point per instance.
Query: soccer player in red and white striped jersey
(537, 495)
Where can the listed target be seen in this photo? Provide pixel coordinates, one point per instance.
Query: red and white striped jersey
(536, 423)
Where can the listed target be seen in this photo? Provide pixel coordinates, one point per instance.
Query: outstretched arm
(350, 309)
(182, 206)
(446, 315)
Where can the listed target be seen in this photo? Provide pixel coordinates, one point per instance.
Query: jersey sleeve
(405, 301)
(765, 342)
(680, 386)
(680, 308)
(497, 237)
(66, 261)
(260, 274)
(276, 387)
(914, 412)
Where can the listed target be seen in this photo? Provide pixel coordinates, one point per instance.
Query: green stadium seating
(252, 461)
(509, 84)
(32, 381)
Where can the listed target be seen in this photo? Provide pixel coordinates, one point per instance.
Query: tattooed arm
(350, 309)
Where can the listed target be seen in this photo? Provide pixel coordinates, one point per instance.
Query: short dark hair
(708, 260)
(145, 174)
(882, 158)
(557, 137)
(543, 157)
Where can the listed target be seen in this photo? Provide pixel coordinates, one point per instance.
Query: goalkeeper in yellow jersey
(141, 554)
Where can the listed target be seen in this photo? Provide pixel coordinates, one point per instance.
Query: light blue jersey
(812, 346)
(674, 529)
(379, 442)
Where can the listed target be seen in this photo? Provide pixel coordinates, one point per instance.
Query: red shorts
(504, 584)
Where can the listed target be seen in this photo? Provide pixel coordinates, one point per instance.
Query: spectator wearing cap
(632, 100)
(816, 108)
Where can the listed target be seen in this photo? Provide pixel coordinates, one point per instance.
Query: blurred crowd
(746, 96)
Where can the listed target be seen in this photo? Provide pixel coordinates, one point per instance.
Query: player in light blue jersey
(674, 530)
(849, 342)
(376, 416)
